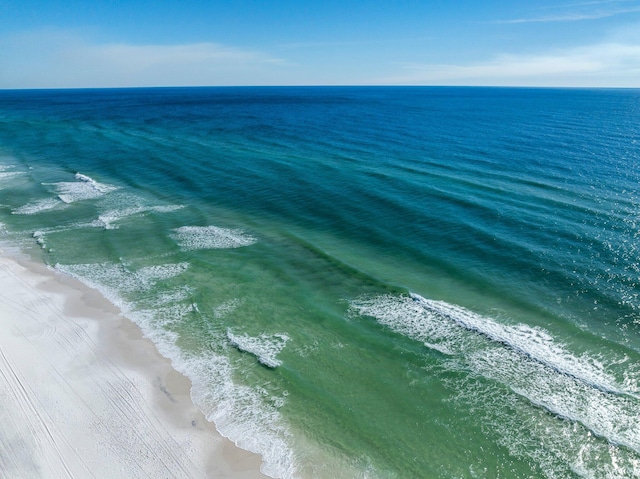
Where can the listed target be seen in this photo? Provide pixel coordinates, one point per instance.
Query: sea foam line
(39, 206)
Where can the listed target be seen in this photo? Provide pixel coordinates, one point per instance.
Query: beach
(83, 394)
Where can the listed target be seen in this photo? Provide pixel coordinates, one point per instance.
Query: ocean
(360, 282)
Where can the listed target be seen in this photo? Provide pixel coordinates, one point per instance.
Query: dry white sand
(83, 395)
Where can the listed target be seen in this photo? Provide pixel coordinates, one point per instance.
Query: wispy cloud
(607, 64)
(582, 11)
(589, 3)
(572, 16)
(324, 44)
(354, 43)
(58, 59)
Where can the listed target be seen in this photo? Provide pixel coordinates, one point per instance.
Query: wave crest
(264, 347)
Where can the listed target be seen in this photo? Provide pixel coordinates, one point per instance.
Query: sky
(129, 43)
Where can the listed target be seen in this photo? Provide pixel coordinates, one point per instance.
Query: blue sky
(116, 43)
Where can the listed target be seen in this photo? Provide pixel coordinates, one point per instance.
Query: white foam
(107, 219)
(431, 321)
(38, 207)
(10, 174)
(607, 415)
(560, 448)
(527, 360)
(249, 417)
(535, 343)
(85, 188)
(211, 237)
(40, 238)
(164, 316)
(264, 347)
(85, 178)
(408, 317)
(117, 278)
(165, 209)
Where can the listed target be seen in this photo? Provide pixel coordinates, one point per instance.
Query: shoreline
(84, 394)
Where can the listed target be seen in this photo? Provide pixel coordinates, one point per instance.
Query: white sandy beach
(83, 395)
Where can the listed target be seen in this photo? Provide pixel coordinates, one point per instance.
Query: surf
(527, 360)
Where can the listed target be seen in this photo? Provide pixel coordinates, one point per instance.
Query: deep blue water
(360, 282)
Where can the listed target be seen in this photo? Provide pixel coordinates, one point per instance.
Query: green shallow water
(360, 282)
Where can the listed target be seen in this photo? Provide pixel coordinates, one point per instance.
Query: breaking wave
(85, 188)
(527, 360)
(264, 347)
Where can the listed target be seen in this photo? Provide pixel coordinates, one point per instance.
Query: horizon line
(157, 87)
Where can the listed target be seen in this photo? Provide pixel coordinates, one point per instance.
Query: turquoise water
(360, 282)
